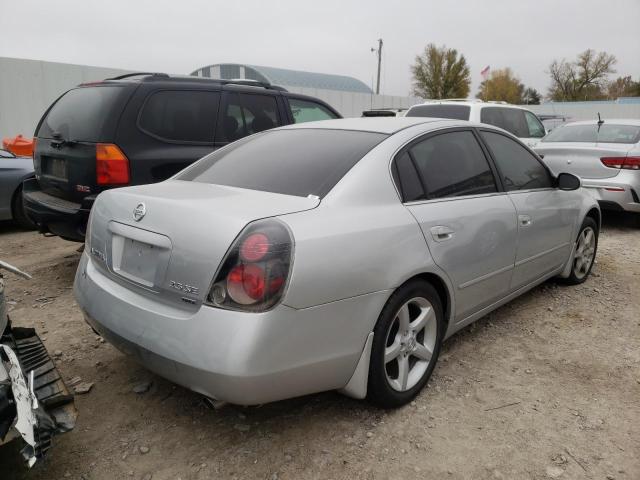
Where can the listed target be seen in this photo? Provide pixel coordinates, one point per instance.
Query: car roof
(611, 121)
(470, 102)
(386, 125)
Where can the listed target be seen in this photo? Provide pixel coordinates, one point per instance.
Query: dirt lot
(546, 387)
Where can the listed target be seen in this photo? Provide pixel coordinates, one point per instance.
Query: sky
(328, 36)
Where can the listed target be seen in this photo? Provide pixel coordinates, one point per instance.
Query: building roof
(284, 77)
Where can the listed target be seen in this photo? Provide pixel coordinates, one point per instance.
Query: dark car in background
(143, 128)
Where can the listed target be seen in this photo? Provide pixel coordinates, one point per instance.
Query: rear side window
(510, 119)
(87, 114)
(298, 162)
(180, 116)
(608, 133)
(456, 112)
(245, 114)
(307, 111)
(446, 165)
(519, 168)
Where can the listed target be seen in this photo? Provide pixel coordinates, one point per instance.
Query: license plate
(56, 167)
(139, 261)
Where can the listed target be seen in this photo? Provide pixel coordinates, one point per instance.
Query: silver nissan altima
(328, 255)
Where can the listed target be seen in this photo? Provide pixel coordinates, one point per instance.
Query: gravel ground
(545, 387)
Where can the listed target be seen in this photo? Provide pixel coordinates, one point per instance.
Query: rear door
(243, 114)
(546, 215)
(469, 224)
(521, 123)
(66, 138)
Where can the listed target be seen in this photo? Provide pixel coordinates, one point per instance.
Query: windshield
(298, 162)
(86, 114)
(456, 112)
(608, 133)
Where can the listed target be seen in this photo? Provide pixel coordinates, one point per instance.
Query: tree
(440, 72)
(502, 85)
(583, 79)
(531, 96)
(623, 87)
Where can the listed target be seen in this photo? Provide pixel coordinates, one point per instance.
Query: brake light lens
(621, 163)
(255, 271)
(112, 166)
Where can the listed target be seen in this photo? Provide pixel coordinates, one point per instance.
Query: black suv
(143, 128)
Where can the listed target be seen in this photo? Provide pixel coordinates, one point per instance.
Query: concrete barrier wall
(28, 87)
(587, 110)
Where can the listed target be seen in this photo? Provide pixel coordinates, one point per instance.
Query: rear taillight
(621, 163)
(112, 166)
(255, 271)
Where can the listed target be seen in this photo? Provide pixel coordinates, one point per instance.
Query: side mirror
(568, 181)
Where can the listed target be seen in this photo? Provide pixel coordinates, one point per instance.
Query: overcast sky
(327, 36)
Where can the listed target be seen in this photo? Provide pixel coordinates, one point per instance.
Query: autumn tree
(623, 87)
(583, 79)
(440, 72)
(502, 85)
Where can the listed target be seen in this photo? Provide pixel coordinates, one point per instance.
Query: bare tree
(441, 73)
(583, 79)
(623, 87)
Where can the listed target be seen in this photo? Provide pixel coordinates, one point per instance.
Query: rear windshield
(457, 112)
(608, 133)
(85, 114)
(298, 162)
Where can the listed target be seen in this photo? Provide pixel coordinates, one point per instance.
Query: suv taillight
(112, 166)
(624, 163)
(255, 271)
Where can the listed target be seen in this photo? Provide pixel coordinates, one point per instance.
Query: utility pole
(379, 52)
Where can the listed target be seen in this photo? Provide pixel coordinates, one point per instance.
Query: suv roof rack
(139, 74)
(247, 82)
(470, 100)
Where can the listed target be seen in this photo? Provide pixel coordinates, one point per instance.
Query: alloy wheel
(410, 343)
(585, 253)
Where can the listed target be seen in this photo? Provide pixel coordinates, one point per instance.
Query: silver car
(13, 171)
(606, 156)
(328, 255)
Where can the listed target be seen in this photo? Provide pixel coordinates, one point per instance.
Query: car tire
(17, 210)
(411, 326)
(584, 254)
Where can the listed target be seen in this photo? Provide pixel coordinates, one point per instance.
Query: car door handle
(440, 233)
(525, 220)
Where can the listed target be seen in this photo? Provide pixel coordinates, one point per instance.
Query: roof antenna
(600, 122)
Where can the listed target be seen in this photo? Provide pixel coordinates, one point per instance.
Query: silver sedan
(605, 155)
(13, 171)
(328, 255)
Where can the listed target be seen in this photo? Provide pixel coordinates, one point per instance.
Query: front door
(545, 214)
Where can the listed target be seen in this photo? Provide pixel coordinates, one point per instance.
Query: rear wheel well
(595, 214)
(441, 289)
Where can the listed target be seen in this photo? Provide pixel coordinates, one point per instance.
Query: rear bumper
(238, 357)
(621, 192)
(52, 214)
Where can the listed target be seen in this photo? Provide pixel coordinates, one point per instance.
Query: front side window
(307, 111)
(298, 162)
(446, 165)
(180, 115)
(510, 119)
(536, 130)
(519, 168)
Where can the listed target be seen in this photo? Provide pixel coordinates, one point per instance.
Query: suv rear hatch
(168, 239)
(67, 136)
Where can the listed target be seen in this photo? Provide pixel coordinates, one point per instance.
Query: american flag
(484, 73)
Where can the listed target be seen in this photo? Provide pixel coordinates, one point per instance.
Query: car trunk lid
(167, 240)
(582, 159)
